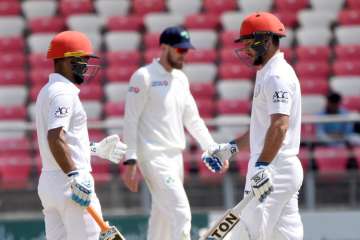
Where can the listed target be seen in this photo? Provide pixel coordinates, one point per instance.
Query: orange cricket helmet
(261, 22)
(70, 44)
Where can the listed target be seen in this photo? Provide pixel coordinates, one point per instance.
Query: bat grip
(98, 219)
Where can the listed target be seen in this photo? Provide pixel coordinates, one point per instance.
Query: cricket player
(158, 106)
(66, 186)
(274, 172)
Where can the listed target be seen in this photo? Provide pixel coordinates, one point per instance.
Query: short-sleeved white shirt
(58, 105)
(277, 90)
(158, 106)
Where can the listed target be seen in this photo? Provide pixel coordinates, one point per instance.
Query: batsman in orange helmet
(75, 48)
(66, 186)
(259, 34)
(274, 173)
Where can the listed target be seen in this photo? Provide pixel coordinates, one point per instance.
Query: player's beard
(173, 63)
(82, 71)
(249, 60)
(259, 60)
(79, 68)
(78, 79)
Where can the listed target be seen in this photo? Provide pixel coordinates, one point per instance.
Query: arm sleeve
(195, 125)
(134, 105)
(60, 111)
(279, 96)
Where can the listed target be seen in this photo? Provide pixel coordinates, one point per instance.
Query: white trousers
(170, 217)
(64, 219)
(277, 218)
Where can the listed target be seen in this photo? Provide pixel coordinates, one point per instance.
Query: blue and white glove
(110, 148)
(261, 183)
(215, 157)
(82, 185)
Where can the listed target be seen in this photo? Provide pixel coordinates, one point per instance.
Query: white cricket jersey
(277, 90)
(58, 105)
(158, 106)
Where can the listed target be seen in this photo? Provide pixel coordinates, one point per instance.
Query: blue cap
(176, 37)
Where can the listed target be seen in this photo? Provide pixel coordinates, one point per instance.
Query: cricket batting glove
(261, 183)
(215, 157)
(82, 185)
(110, 148)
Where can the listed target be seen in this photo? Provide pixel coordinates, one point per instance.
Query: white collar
(56, 77)
(160, 68)
(276, 56)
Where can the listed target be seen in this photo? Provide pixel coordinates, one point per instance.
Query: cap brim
(184, 45)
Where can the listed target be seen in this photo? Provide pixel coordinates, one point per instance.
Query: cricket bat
(228, 221)
(107, 232)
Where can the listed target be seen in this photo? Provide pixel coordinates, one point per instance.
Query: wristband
(130, 162)
(261, 163)
(73, 173)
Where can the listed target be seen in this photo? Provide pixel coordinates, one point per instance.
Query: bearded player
(274, 173)
(66, 186)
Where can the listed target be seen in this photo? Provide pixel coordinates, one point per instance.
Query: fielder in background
(158, 106)
(66, 185)
(274, 172)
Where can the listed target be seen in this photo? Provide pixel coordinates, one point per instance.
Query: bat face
(111, 234)
(223, 227)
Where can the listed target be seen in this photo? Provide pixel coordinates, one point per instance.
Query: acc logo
(160, 83)
(62, 112)
(280, 96)
(134, 89)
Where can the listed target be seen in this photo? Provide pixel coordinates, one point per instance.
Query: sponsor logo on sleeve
(134, 89)
(280, 97)
(62, 112)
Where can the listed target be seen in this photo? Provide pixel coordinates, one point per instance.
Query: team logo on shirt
(134, 89)
(280, 96)
(62, 112)
(160, 83)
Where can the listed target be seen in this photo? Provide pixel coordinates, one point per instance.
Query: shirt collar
(274, 58)
(56, 77)
(160, 67)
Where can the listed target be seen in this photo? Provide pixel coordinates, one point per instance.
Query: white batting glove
(215, 157)
(82, 187)
(261, 183)
(110, 148)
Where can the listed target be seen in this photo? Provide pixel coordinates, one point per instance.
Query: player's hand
(82, 187)
(110, 148)
(261, 183)
(225, 166)
(130, 178)
(219, 154)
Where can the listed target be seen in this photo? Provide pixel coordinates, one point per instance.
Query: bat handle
(98, 219)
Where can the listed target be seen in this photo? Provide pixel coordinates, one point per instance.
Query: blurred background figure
(336, 133)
